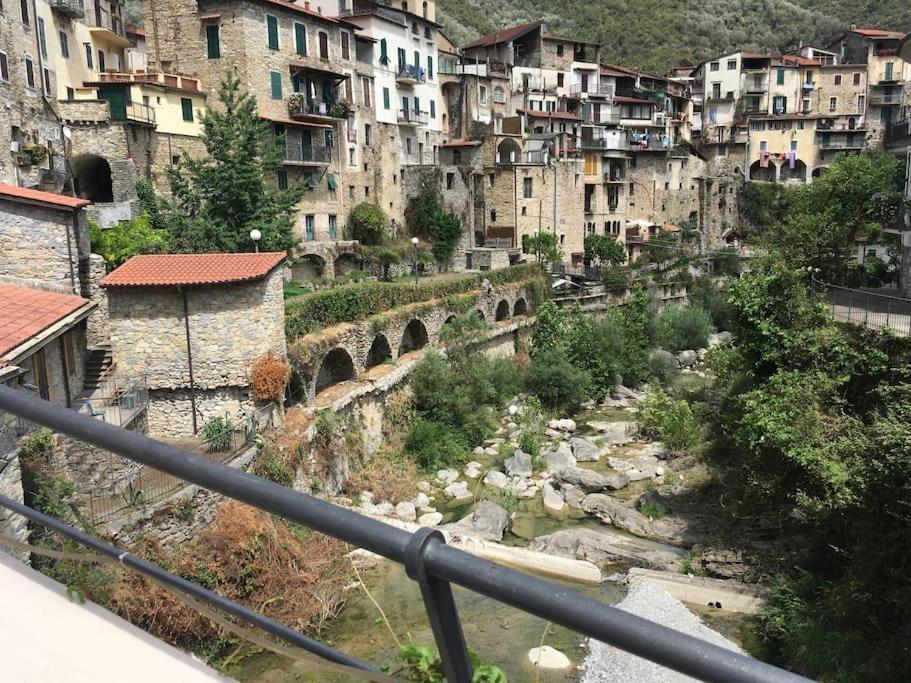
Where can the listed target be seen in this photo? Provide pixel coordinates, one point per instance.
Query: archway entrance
(336, 367)
(307, 267)
(414, 337)
(502, 311)
(379, 351)
(92, 178)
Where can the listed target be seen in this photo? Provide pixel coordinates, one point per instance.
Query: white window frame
(833, 103)
(26, 60)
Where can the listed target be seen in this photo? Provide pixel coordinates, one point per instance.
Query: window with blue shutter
(384, 54)
(417, 60)
(275, 81)
(272, 31)
(417, 105)
(401, 54)
(300, 39)
(333, 227)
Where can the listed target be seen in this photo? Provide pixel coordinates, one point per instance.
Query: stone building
(42, 349)
(191, 325)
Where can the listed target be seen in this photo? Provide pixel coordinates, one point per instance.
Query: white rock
(659, 471)
(430, 519)
(366, 498)
(459, 492)
(478, 450)
(421, 500)
(472, 472)
(513, 409)
(564, 425)
(446, 477)
(548, 658)
(424, 486)
(405, 511)
(496, 479)
(490, 450)
(553, 501)
(552, 433)
(475, 464)
(687, 358)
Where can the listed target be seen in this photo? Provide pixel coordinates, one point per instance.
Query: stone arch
(448, 320)
(308, 266)
(379, 351)
(520, 308)
(766, 174)
(413, 337)
(508, 152)
(345, 263)
(820, 171)
(336, 367)
(798, 173)
(502, 312)
(499, 95)
(92, 178)
(479, 314)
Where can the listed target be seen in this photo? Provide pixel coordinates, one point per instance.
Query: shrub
(557, 382)
(615, 279)
(268, 377)
(435, 445)
(217, 434)
(661, 364)
(604, 250)
(670, 420)
(38, 445)
(367, 223)
(463, 328)
(683, 327)
(652, 510)
(387, 475)
(704, 294)
(530, 442)
(127, 239)
(726, 261)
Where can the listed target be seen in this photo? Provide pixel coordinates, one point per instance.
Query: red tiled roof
(133, 31)
(295, 122)
(461, 143)
(669, 227)
(173, 270)
(301, 9)
(878, 33)
(38, 197)
(24, 313)
(536, 114)
(505, 35)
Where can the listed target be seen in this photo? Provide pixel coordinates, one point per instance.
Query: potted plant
(296, 102)
(31, 154)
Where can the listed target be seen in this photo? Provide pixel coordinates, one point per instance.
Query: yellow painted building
(782, 148)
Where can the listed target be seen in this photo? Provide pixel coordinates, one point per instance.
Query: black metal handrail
(866, 308)
(425, 555)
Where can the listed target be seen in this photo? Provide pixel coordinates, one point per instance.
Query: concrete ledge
(701, 590)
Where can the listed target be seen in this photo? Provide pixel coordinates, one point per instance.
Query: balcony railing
(306, 154)
(898, 132)
(651, 143)
(847, 143)
(591, 88)
(537, 84)
(69, 8)
(614, 176)
(409, 117)
(885, 100)
(118, 401)
(304, 106)
(409, 74)
(618, 143)
(358, 7)
(141, 113)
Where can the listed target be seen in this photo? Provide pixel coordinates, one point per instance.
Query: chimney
(853, 27)
(307, 5)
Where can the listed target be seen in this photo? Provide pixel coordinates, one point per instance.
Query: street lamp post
(414, 243)
(256, 236)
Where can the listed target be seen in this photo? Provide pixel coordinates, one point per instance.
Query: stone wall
(171, 410)
(93, 272)
(11, 524)
(453, 184)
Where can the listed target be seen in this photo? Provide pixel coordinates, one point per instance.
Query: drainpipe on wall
(186, 323)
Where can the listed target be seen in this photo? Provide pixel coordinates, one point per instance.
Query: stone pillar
(97, 332)
(11, 524)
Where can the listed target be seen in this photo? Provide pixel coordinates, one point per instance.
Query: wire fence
(124, 487)
(867, 307)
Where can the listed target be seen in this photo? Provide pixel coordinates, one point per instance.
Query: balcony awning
(293, 122)
(297, 67)
(110, 36)
(623, 99)
(209, 17)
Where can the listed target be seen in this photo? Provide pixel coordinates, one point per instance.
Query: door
(323, 45)
(39, 372)
(584, 82)
(306, 144)
(117, 101)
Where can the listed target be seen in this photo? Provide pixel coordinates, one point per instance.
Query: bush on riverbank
(683, 327)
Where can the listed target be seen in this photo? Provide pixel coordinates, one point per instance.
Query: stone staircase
(98, 365)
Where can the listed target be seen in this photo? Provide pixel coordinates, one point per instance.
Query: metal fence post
(440, 606)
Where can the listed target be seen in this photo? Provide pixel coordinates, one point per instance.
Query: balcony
(652, 143)
(360, 7)
(409, 117)
(408, 74)
(885, 99)
(138, 113)
(536, 84)
(69, 8)
(613, 176)
(306, 155)
(537, 157)
(591, 88)
(849, 142)
(727, 97)
(298, 105)
(618, 143)
(757, 86)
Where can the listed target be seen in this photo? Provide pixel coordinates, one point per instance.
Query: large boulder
(687, 359)
(720, 339)
(663, 358)
(618, 433)
(559, 458)
(546, 657)
(553, 501)
(496, 479)
(458, 492)
(584, 450)
(564, 425)
(405, 511)
(446, 477)
(614, 513)
(621, 391)
(487, 522)
(605, 547)
(519, 465)
(589, 481)
(573, 495)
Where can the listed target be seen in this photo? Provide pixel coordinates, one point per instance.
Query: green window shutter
(384, 54)
(272, 31)
(433, 109)
(417, 105)
(429, 68)
(331, 182)
(213, 43)
(385, 98)
(401, 58)
(275, 79)
(300, 39)
(417, 59)
(780, 77)
(282, 178)
(186, 108)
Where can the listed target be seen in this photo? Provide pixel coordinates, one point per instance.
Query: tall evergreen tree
(219, 198)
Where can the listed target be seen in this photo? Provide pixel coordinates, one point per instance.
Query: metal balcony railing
(427, 558)
(618, 143)
(303, 106)
(409, 73)
(846, 143)
(410, 117)
(306, 154)
(879, 100)
(142, 113)
(69, 8)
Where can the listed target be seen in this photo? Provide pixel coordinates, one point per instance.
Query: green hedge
(315, 310)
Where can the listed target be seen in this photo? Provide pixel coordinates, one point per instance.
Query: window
(351, 192)
(275, 82)
(559, 50)
(367, 134)
(493, 215)
(42, 43)
(793, 145)
(213, 41)
(186, 108)
(384, 51)
(64, 45)
(417, 61)
(714, 66)
(732, 64)
(861, 103)
(499, 95)
(779, 104)
(482, 94)
(310, 226)
(328, 140)
(837, 79)
(385, 98)
(323, 45)
(400, 55)
(526, 188)
(351, 162)
(101, 65)
(46, 74)
(809, 77)
(716, 91)
(23, 10)
(367, 191)
(300, 38)
(433, 109)
(417, 105)
(889, 71)
(763, 145)
(89, 62)
(272, 31)
(559, 80)
(833, 103)
(450, 179)
(333, 226)
(70, 93)
(779, 77)
(346, 51)
(29, 72)
(4, 68)
(281, 178)
(856, 78)
(69, 359)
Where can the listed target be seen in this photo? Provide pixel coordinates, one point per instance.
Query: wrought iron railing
(427, 558)
(867, 308)
(306, 154)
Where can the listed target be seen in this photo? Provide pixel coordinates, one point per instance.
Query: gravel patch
(649, 601)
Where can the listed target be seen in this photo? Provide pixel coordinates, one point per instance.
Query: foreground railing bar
(563, 606)
(153, 570)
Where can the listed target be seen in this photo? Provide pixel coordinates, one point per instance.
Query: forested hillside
(657, 35)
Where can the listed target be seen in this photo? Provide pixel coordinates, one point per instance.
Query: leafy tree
(558, 383)
(604, 250)
(427, 218)
(660, 248)
(219, 198)
(544, 245)
(367, 224)
(127, 239)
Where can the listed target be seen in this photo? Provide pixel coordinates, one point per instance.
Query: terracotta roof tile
(878, 33)
(25, 312)
(623, 99)
(173, 270)
(504, 36)
(37, 196)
